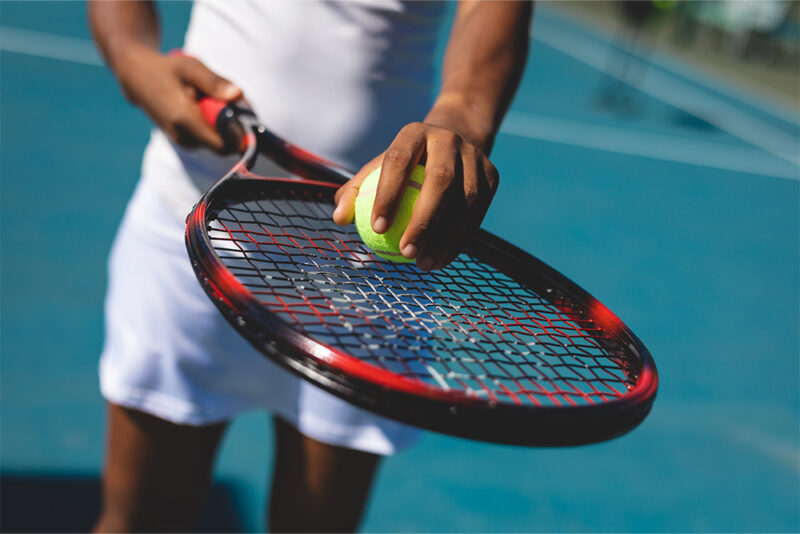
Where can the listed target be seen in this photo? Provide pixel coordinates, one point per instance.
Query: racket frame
(379, 390)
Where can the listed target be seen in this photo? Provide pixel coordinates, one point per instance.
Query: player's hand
(460, 182)
(166, 88)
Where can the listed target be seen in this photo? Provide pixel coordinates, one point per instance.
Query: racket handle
(211, 108)
(225, 118)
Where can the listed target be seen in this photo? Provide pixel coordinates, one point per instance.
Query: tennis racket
(497, 346)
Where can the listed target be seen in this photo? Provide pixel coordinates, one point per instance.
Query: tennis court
(683, 218)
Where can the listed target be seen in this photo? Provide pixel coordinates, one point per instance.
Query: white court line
(782, 451)
(48, 45)
(648, 145)
(678, 68)
(678, 94)
(713, 422)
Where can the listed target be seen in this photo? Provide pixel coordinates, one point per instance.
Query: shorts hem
(342, 436)
(162, 406)
(333, 434)
(168, 408)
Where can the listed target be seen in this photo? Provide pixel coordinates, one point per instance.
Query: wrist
(131, 65)
(469, 119)
(124, 53)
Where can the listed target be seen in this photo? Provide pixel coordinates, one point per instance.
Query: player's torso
(337, 78)
(334, 76)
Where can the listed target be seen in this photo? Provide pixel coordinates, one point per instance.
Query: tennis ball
(387, 245)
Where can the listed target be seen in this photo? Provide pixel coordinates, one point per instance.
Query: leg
(156, 473)
(317, 487)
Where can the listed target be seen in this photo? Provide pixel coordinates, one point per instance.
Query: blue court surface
(681, 217)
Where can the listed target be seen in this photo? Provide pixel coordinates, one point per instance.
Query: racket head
(497, 346)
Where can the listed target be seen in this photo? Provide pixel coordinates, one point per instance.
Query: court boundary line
(646, 144)
(679, 68)
(672, 91)
(49, 45)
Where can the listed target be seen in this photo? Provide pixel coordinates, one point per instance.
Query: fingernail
(410, 251)
(229, 91)
(380, 225)
(425, 264)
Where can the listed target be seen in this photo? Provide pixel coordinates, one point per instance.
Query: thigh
(317, 487)
(156, 473)
(168, 351)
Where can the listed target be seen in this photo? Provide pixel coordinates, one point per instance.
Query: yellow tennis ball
(386, 245)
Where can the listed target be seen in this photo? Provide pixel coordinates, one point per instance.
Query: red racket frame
(366, 385)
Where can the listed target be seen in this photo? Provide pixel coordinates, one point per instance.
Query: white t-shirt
(336, 78)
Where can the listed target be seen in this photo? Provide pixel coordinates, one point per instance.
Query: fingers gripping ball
(386, 245)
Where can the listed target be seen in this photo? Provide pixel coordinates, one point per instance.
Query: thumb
(345, 197)
(345, 204)
(204, 79)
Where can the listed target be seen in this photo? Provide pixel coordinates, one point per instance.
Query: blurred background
(652, 154)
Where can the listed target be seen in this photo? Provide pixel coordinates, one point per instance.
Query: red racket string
(468, 327)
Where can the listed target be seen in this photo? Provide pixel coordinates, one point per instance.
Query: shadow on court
(67, 502)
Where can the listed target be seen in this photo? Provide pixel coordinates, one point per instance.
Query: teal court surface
(682, 217)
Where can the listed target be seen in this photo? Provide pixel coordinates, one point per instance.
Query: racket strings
(467, 327)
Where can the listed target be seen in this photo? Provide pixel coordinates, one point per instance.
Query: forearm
(124, 27)
(482, 67)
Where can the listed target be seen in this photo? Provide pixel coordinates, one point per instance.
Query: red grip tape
(211, 108)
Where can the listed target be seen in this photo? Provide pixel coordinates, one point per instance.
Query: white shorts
(169, 352)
